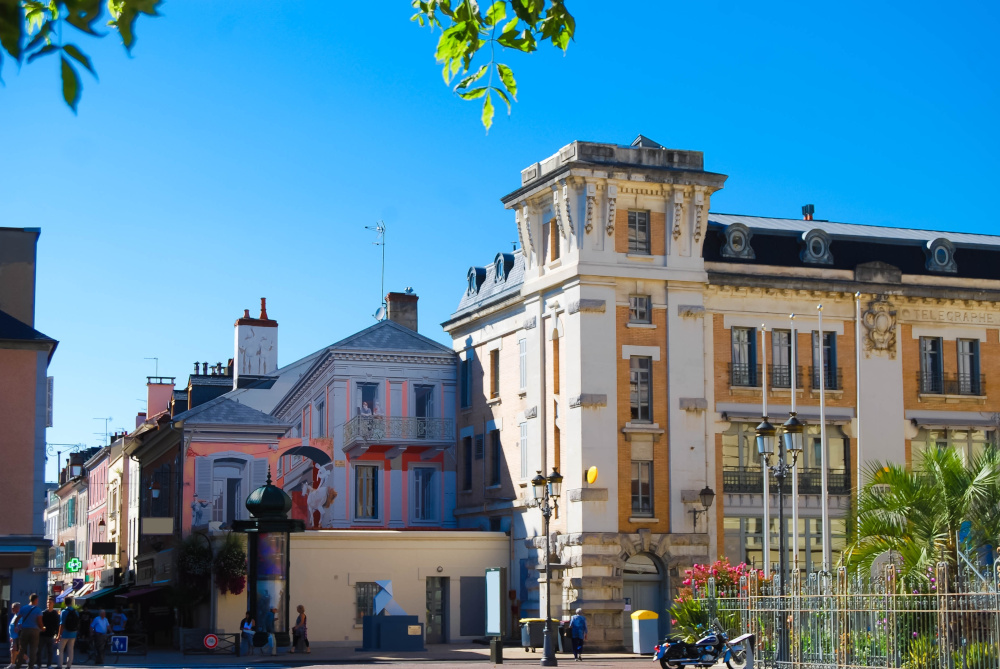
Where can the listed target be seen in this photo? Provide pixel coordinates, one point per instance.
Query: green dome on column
(269, 501)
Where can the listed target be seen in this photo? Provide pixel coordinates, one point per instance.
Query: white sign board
(496, 579)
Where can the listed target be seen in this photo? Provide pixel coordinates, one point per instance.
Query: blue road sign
(119, 644)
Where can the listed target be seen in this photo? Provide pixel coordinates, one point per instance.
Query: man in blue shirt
(578, 630)
(69, 625)
(100, 631)
(15, 648)
(30, 621)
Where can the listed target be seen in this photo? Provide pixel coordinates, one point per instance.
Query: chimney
(807, 212)
(256, 345)
(140, 418)
(402, 308)
(159, 390)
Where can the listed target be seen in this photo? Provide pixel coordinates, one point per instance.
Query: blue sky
(245, 146)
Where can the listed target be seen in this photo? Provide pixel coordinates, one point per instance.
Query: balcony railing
(392, 429)
(834, 378)
(751, 480)
(742, 374)
(932, 383)
(780, 376)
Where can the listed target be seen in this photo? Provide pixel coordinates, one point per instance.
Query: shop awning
(84, 589)
(16, 549)
(809, 414)
(955, 420)
(138, 592)
(104, 592)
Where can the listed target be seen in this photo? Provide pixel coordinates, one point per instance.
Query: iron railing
(743, 374)
(941, 620)
(751, 480)
(389, 429)
(780, 376)
(933, 383)
(833, 378)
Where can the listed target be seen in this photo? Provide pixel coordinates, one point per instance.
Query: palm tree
(915, 515)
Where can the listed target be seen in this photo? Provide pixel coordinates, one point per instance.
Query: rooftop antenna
(106, 433)
(157, 364)
(379, 229)
(513, 246)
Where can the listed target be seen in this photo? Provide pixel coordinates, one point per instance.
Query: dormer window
(941, 256)
(738, 242)
(475, 277)
(816, 248)
(502, 265)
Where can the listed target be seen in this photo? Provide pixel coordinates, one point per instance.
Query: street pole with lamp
(546, 497)
(790, 445)
(795, 470)
(824, 458)
(766, 530)
(707, 496)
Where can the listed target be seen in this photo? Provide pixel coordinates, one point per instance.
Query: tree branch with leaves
(509, 24)
(31, 29)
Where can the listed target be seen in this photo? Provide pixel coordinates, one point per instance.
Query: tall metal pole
(780, 473)
(766, 530)
(548, 654)
(857, 411)
(795, 468)
(824, 493)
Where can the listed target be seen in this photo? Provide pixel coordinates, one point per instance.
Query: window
(480, 450)
(968, 367)
(555, 362)
(71, 512)
(321, 419)
(495, 460)
(638, 309)
(522, 356)
(553, 240)
(467, 463)
(781, 354)
(642, 488)
(465, 374)
(640, 392)
(366, 492)
(931, 368)
(369, 395)
(970, 444)
(423, 398)
(494, 373)
(424, 507)
(364, 598)
(524, 451)
(638, 232)
(830, 376)
(743, 369)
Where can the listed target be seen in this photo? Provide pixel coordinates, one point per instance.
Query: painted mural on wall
(306, 474)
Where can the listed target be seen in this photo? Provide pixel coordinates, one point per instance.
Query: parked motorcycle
(675, 653)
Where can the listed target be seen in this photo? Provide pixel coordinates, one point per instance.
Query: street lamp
(546, 491)
(154, 489)
(707, 496)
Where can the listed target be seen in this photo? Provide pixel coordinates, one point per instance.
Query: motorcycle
(675, 653)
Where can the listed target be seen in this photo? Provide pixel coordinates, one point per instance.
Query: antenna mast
(379, 228)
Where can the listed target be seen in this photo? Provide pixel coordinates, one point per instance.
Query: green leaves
(466, 30)
(44, 23)
(70, 84)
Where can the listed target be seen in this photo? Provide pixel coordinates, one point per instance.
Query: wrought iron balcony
(751, 480)
(932, 383)
(780, 376)
(371, 430)
(742, 374)
(833, 378)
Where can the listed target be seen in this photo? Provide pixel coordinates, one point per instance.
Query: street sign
(119, 644)
(74, 565)
(211, 641)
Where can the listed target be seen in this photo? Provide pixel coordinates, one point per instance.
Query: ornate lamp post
(268, 553)
(546, 497)
(707, 496)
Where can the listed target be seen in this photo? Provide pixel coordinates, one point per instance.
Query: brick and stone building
(625, 335)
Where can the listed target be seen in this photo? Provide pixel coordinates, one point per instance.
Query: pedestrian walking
(12, 628)
(47, 637)
(30, 624)
(100, 630)
(118, 621)
(246, 634)
(300, 632)
(268, 628)
(69, 626)
(578, 632)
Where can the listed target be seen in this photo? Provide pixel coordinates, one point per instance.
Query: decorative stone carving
(880, 327)
(940, 256)
(588, 401)
(591, 198)
(557, 210)
(530, 323)
(596, 306)
(520, 232)
(531, 413)
(566, 208)
(738, 242)
(612, 197)
(816, 247)
(678, 212)
(699, 215)
(526, 220)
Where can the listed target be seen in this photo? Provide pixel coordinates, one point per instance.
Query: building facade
(623, 338)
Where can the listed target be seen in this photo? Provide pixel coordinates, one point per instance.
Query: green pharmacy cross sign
(74, 565)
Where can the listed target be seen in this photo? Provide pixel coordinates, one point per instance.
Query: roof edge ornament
(737, 244)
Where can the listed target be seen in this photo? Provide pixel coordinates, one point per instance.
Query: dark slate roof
(389, 336)
(13, 329)
(209, 380)
(224, 411)
(491, 290)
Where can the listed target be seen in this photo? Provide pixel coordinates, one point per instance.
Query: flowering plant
(727, 578)
(231, 566)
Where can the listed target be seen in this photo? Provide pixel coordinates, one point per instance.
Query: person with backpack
(30, 624)
(69, 626)
(12, 627)
(47, 637)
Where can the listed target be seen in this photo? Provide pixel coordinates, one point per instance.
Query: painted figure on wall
(306, 474)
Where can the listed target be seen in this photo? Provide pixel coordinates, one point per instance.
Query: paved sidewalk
(322, 654)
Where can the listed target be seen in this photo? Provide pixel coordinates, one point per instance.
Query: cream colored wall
(229, 611)
(326, 564)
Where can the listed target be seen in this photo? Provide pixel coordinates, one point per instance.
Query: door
(437, 610)
(642, 586)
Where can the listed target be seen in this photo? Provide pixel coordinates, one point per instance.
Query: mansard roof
(387, 336)
(491, 290)
(225, 411)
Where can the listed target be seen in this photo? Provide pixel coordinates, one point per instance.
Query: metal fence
(847, 621)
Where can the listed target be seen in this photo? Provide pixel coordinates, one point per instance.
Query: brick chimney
(256, 345)
(159, 390)
(402, 308)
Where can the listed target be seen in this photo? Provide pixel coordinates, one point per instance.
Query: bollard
(496, 650)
